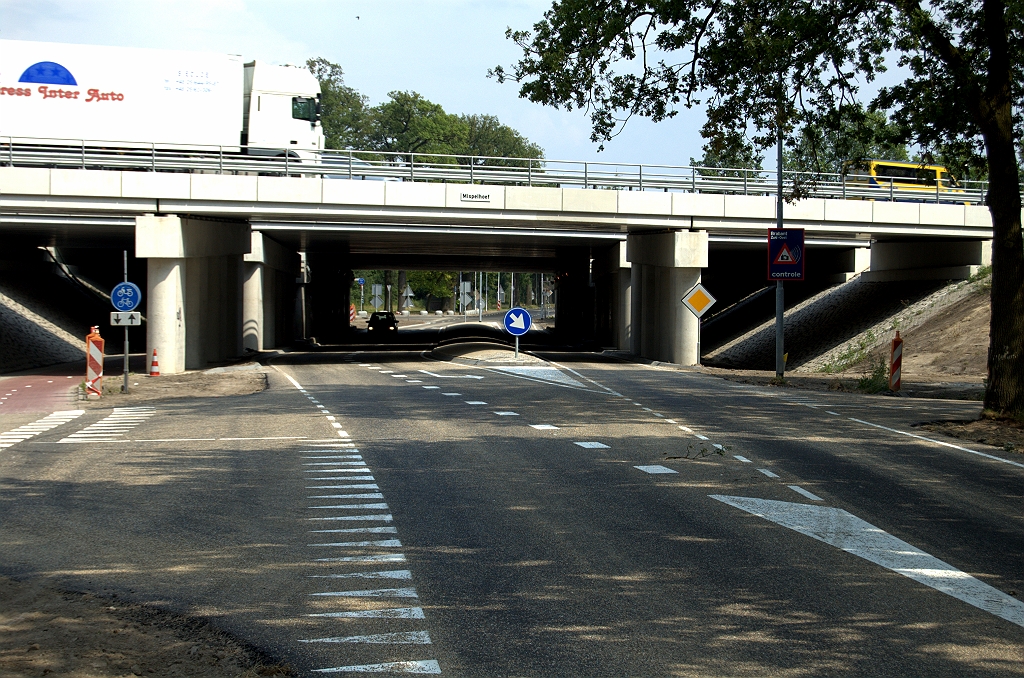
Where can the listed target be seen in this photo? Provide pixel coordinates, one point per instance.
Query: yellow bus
(899, 175)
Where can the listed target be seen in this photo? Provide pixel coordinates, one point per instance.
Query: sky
(439, 48)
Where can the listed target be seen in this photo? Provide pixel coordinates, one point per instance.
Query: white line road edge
(939, 442)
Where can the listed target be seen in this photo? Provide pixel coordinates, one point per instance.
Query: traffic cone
(154, 367)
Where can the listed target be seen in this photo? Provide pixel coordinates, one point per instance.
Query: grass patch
(851, 355)
(878, 380)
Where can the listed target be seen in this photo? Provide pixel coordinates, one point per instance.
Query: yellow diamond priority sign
(698, 300)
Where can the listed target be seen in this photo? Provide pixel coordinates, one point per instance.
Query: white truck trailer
(118, 97)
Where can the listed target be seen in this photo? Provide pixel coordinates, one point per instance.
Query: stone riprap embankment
(821, 328)
(35, 330)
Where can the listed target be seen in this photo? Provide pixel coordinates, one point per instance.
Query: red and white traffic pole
(94, 363)
(895, 362)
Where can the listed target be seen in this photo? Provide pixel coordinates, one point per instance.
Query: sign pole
(517, 349)
(780, 294)
(126, 353)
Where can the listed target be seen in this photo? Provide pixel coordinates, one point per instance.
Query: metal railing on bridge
(372, 165)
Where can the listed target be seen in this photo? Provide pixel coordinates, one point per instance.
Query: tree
(408, 123)
(345, 115)
(486, 136)
(772, 65)
(726, 153)
(856, 135)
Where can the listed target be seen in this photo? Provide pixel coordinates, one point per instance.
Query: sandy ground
(45, 631)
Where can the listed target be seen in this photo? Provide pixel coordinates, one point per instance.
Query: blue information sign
(518, 321)
(360, 281)
(786, 254)
(126, 296)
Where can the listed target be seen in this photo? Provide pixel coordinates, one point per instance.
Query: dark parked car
(383, 323)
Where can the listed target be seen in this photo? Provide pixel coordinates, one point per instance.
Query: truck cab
(281, 110)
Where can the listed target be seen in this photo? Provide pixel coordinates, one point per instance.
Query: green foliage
(850, 135)
(345, 116)
(851, 355)
(436, 284)
(878, 380)
(731, 149)
(409, 123)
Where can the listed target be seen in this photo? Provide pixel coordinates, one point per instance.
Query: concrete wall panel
(161, 185)
(533, 198)
(679, 249)
(645, 202)
(698, 204)
(749, 206)
(812, 209)
(977, 215)
(410, 194)
(265, 250)
(942, 215)
(472, 196)
(353, 192)
(589, 200)
(849, 210)
(289, 189)
(222, 187)
(896, 212)
(24, 181)
(174, 237)
(92, 183)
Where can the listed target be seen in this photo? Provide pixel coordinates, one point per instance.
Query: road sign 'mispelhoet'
(517, 321)
(786, 254)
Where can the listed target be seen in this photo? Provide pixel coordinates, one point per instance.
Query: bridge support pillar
(194, 289)
(270, 272)
(666, 266)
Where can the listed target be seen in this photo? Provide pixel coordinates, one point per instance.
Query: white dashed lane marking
(592, 445)
(655, 468)
(544, 427)
(802, 491)
(768, 473)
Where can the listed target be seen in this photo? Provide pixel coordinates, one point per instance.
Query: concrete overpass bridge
(222, 236)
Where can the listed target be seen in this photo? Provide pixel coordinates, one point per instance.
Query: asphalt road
(379, 508)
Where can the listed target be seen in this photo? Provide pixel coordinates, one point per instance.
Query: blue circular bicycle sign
(126, 296)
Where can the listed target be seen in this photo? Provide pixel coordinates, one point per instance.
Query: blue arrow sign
(518, 321)
(126, 296)
(360, 281)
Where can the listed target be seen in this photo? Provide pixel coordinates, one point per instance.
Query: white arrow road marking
(407, 592)
(846, 531)
(405, 638)
(386, 613)
(389, 574)
(428, 666)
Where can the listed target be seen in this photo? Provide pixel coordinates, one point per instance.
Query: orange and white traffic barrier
(895, 362)
(94, 363)
(154, 366)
